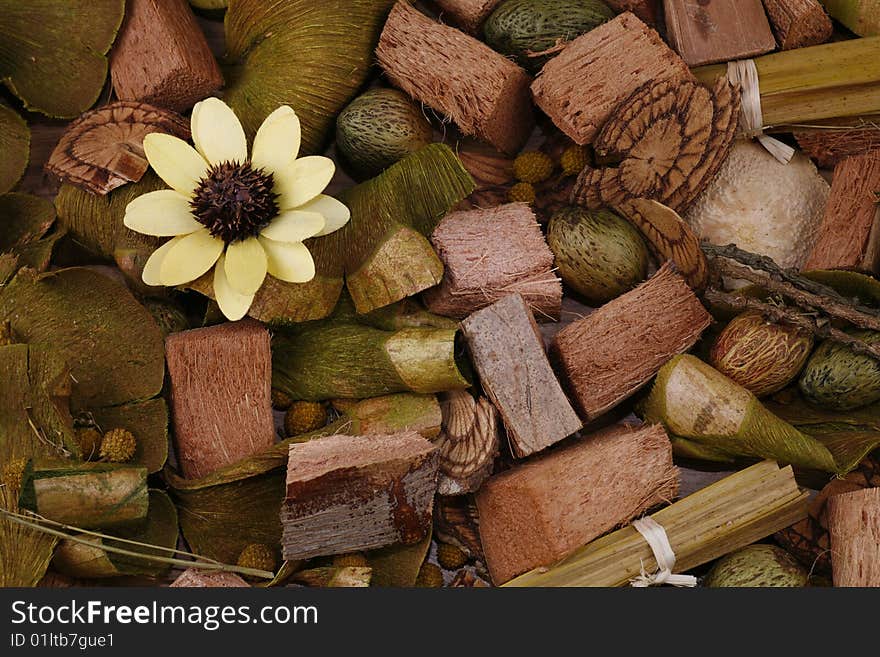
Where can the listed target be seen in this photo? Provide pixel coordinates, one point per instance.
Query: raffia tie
(744, 73)
(656, 537)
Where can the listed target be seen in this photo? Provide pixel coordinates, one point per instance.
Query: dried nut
(835, 377)
(757, 566)
(118, 446)
(303, 416)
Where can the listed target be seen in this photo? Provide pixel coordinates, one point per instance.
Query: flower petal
(163, 213)
(190, 257)
(336, 214)
(289, 261)
(232, 303)
(217, 132)
(303, 180)
(294, 226)
(277, 142)
(153, 265)
(175, 162)
(246, 266)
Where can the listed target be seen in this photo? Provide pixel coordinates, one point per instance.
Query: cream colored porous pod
(762, 205)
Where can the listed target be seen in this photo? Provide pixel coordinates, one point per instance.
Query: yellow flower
(244, 217)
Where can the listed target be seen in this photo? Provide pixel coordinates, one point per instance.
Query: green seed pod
(757, 566)
(378, 128)
(520, 27)
(599, 255)
(837, 378)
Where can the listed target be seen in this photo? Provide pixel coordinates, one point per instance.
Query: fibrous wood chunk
(161, 56)
(717, 30)
(580, 88)
(351, 493)
(538, 512)
(798, 23)
(485, 94)
(854, 525)
(647, 10)
(221, 394)
(194, 578)
(850, 234)
(614, 351)
(467, 14)
(670, 138)
(104, 148)
(509, 356)
(488, 254)
(827, 147)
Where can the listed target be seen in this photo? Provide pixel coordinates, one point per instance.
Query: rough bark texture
(614, 351)
(580, 88)
(194, 578)
(647, 10)
(798, 23)
(221, 380)
(161, 56)
(508, 354)
(467, 14)
(489, 254)
(350, 493)
(468, 442)
(485, 94)
(854, 525)
(718, 30)
(536, 513)
(829, 147)
(849, 237)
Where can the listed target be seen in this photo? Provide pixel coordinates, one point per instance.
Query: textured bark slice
(798, 23)
(849, 237)
(854, 525)
(580, 88)
(538, 512)
(614, 351)
(468, 442)
(508, 353)
(485, 94)
(488, 254)
(718, 31)
(161, 56)
(221, 380)
(670, 137)
(827, 147)
(467, 14)
(351, 493)
(103, 149)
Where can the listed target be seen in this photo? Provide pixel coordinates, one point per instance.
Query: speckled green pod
(378, 128)
(519, 27)
(757, 566)
(835, 377)
(600, 255)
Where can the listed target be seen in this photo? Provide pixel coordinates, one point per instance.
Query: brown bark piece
(670, 138)
(717, 30)
(467, 14)
(221, 394)
(849, 237)
(509, 356)
(854, 525)
(468, 442)
(457, 522)
(828, 147)
(580, 88)
(798, 23)
(538, 512)
(485, 94)
(161, 56)
(615, 350)
(647, 10)
(351, 493)
(104, 148)
(488, 254)
(194, 578)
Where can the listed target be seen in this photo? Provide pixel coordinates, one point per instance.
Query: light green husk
(15, 143)
(313, 56)
(757, 566)
(52, 51)
(25, 224)
(835, 377)
(861, 16)
(695, 401)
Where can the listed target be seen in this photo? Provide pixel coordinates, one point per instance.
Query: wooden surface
(466, 14)
(798, 23)
(854, 525)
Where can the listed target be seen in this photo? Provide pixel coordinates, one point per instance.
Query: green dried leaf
(52, 51)
(15, 144)
(25, 220)
(313, 56)
(147, 421)
(398, 565)
(850, 284)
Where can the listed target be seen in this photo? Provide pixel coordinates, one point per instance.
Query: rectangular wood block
(647, 10)
(221, 395)
(508, 353)
(798, 23)
(350, 493)
(710, 31)
(584, 84)
(538, 512)
(615, 350)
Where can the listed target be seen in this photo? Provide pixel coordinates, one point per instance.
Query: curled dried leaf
(468, 442)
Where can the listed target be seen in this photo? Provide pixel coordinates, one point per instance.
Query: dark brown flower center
(235, 201)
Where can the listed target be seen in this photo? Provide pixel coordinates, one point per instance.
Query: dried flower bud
(280, 400)
(303, 416)
(13, 473)
(574, 159)
(451, 557)
(522, 193)
(533, 167)
(118, 446)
